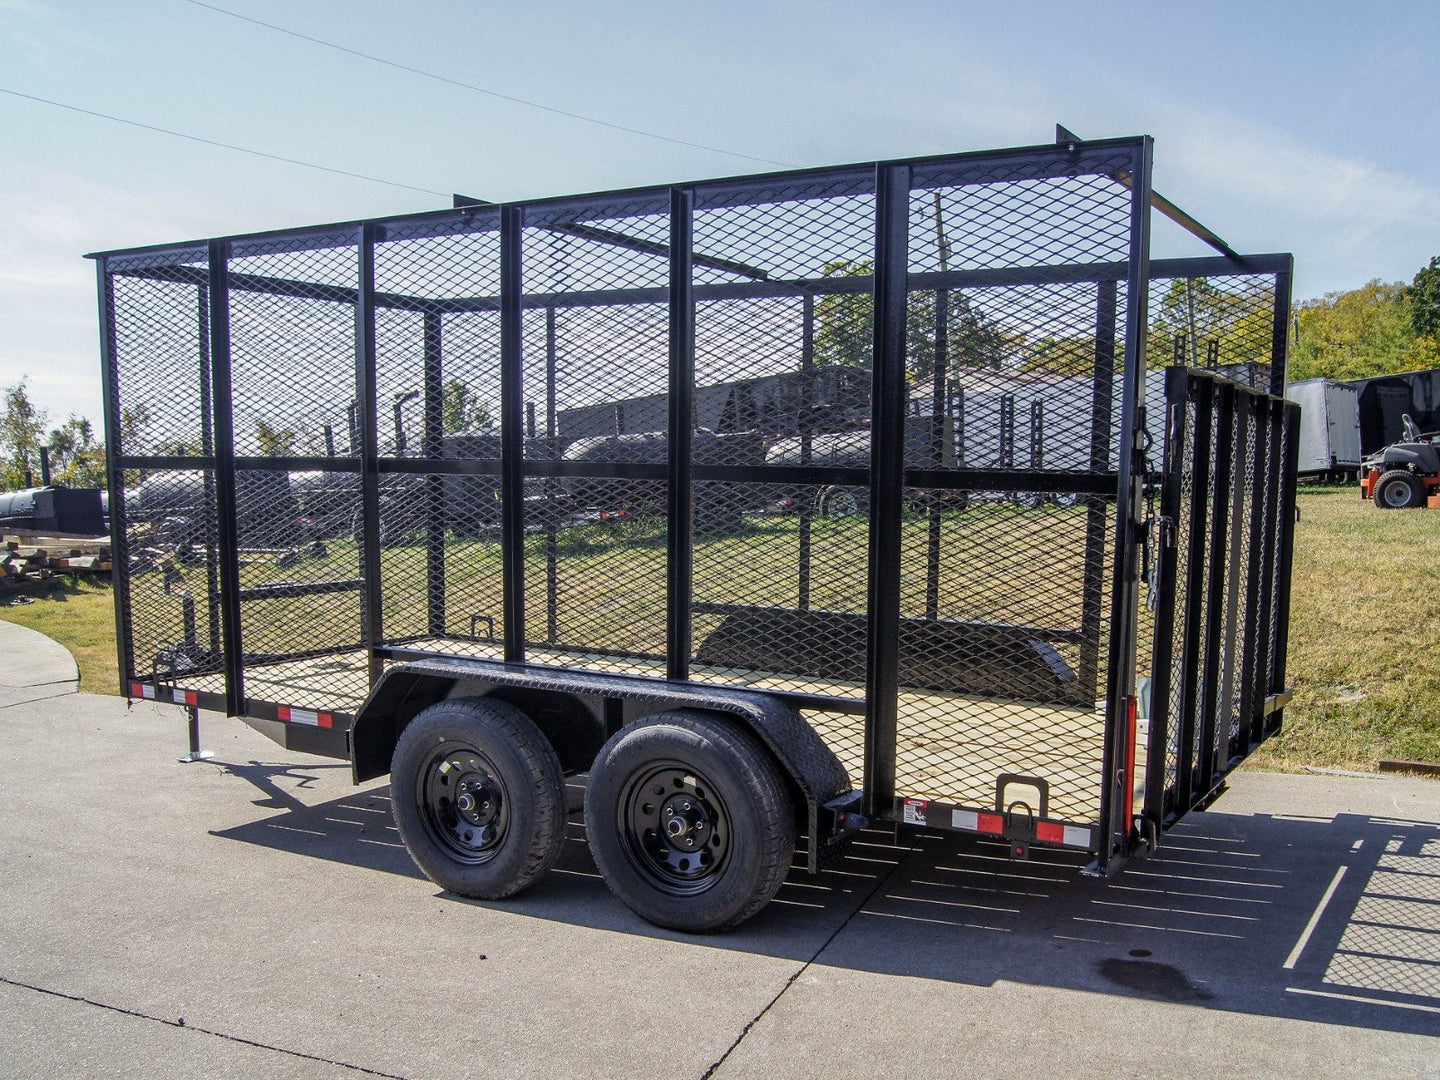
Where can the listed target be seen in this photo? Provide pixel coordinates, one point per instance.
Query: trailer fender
(815, 774)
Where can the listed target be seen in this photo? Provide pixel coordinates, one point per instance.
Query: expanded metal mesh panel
(161, 341)
(1005, 607)
(596, 391)
(171, 550)
(992, 218)
(292, 348)
(780, 568)
(1001, 645)
(438, 403)
(1028, 375)
(1223, 323)
(780, 587)
(1220, 581)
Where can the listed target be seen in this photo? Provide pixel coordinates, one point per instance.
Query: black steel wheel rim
(464, 803)
(675, 828)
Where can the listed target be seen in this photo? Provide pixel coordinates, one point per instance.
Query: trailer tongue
(772, 506)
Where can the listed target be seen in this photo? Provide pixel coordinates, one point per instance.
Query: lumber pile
(24, 563)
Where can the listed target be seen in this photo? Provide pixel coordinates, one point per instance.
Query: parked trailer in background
(958, 650)
(1329, 428)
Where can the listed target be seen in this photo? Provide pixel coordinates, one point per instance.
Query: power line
(483, 90)
(216, 142)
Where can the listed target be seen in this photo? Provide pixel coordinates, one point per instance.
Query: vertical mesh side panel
(597, 384)
(162, 382)
(780, 568)
(1223, 323)
(1005, 603)
(438, 395)
(292, 326)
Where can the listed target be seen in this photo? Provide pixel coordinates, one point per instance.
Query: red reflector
(135, 690)
(991, 823)
(283, 713)
(192, 698)
(324, 719)
(1050, 832)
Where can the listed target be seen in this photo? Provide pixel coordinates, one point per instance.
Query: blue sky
(1311, 128)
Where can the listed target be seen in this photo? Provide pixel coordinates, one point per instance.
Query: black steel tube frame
(228, 526)
(1118, 753)
(372, 615)
(891, 184)
(119, 548)
(680, 508)
(887, 424)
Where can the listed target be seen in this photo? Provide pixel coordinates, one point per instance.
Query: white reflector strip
(303, 716)
(965, 819)
(147, 691)
(1075, 837)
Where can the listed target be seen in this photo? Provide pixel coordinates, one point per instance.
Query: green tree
(1357, 334)
(1424, 297)
(461, 409)
(77, 458)
(22, 433)
(844, 328)
(844, 321)
(275, 441)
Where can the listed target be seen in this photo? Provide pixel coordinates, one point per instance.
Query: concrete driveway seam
(181, 1025)
(879, 883)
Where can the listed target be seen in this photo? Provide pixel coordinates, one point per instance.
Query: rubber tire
(825, 505)
(736, 766)
(530, 770)
(1410, 482)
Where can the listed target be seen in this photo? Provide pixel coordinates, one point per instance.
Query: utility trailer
(959, 653)
(1329, 428)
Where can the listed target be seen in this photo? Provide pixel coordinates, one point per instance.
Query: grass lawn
(81, 616)
(1364, 631)
(1364, 653)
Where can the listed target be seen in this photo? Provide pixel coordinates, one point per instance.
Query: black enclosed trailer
(1073, 653)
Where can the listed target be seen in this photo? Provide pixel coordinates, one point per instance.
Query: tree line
(1378, 329)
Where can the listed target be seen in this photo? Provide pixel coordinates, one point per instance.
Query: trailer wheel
(1399, 489)
(479, 797)
(838, 502)
(689, 821)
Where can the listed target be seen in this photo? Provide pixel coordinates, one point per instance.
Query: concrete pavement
(267, 902)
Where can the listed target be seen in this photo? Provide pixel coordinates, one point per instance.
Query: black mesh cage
(869, 438)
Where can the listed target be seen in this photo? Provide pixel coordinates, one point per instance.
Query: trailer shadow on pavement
(1333, 920)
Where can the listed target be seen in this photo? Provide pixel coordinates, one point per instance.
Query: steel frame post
(807, 437)
(938, 420)
(372, 617)
(551, 487)
(1280, 330)
(114, 475)
(512, 435)
(222, 390)
(887, 427)
(433, 443)
(1217, 574)
(1107, 307)
(1156, 751)
(1203, 394)
(207, 449)
(1118, 756)
(680, 508)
